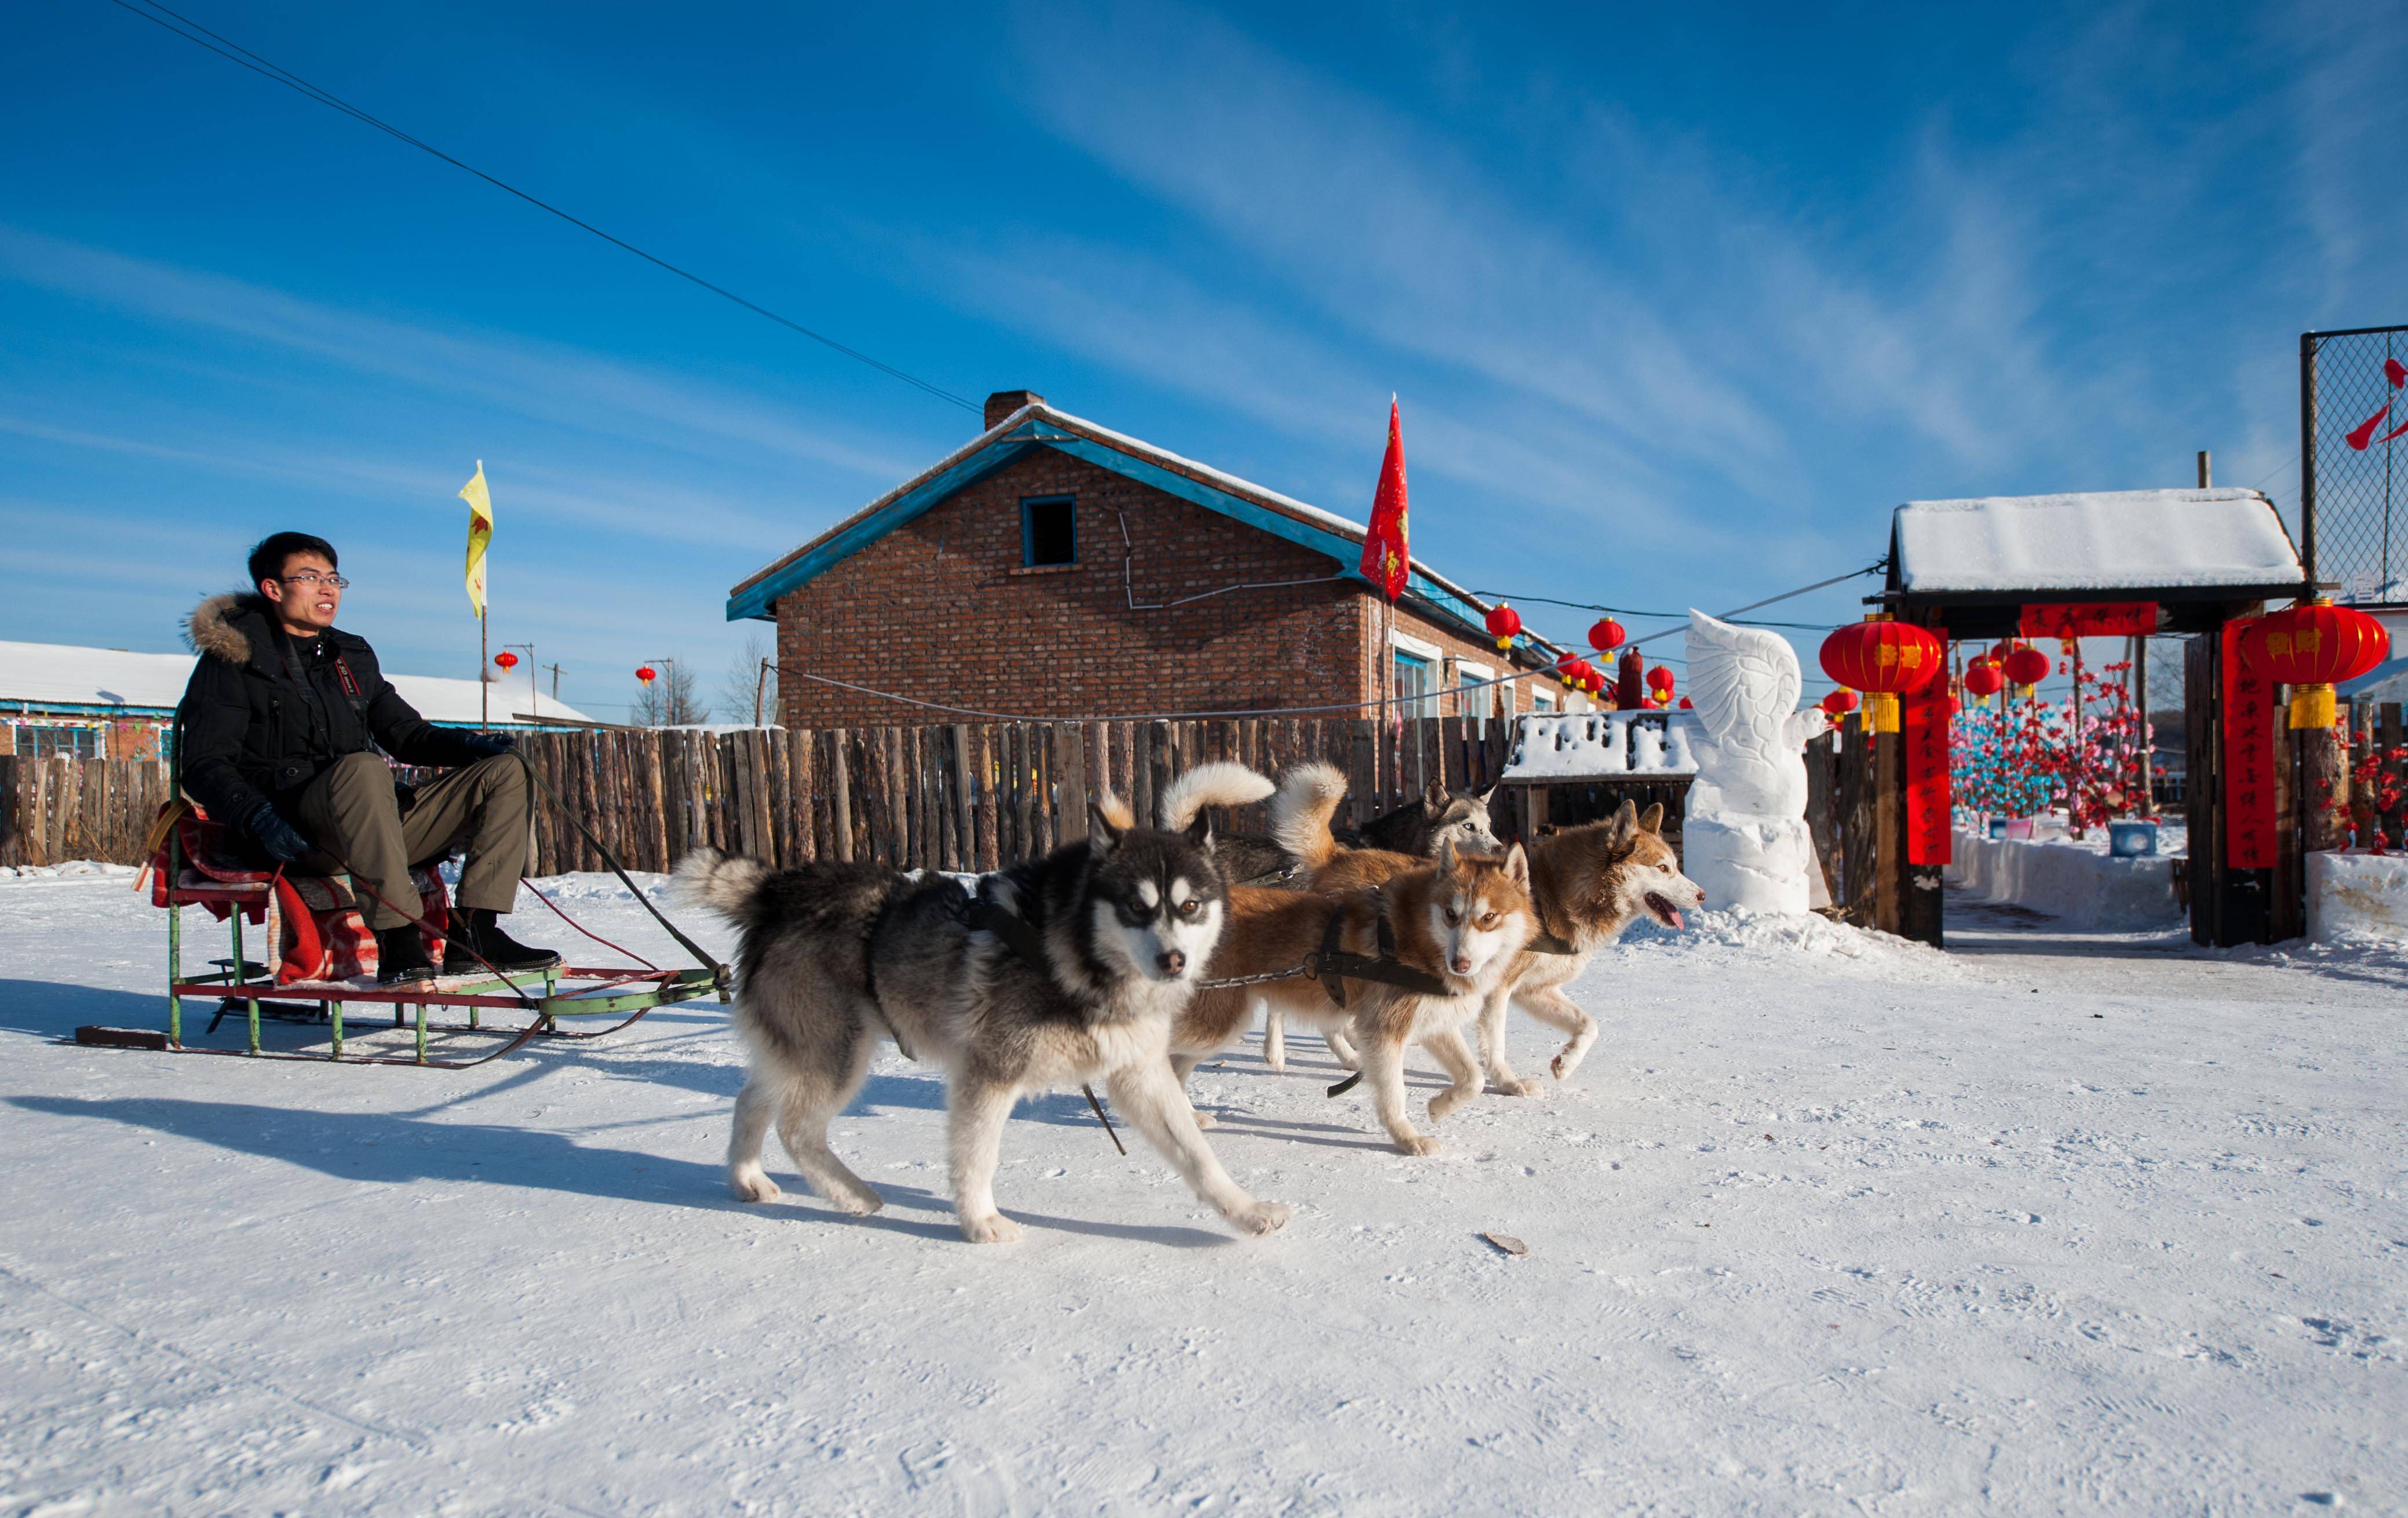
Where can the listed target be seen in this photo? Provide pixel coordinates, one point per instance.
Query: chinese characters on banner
(2096, 619)
(1923, 732)
(2248, 758)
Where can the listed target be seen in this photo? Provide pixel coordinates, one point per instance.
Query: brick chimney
(1004, 402)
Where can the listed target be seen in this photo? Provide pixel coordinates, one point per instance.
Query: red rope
(583, 928)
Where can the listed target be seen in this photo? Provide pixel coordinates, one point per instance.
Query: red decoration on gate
(1885, 659)
(1924, 732)
(2313, 647)
(2248, 755)
(2091, 618)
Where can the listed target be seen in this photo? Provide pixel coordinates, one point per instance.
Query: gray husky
(1100, 953)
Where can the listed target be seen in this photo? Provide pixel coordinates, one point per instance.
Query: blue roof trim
(758, 598)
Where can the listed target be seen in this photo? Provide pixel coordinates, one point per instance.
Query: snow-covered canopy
(62, 675)
(2099, 541)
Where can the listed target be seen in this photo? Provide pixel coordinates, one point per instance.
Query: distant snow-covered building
(113, 703)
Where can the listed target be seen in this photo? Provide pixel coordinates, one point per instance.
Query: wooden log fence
(957, 797)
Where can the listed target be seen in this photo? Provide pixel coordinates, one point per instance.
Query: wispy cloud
(523, 376)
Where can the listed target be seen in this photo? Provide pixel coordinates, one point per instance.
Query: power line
(262, 67)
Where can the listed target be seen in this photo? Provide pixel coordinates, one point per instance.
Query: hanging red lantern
(1885, 659)
(2312, 647)
(1840, 703)
(1503, 622)
(1999, 649)
(507, 659)
(1685, 704)
(646, 674)
(2026, 667)
(1605, 635)
(1659, 679)
(1982, 680)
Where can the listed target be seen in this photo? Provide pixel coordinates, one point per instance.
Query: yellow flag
(481, 532)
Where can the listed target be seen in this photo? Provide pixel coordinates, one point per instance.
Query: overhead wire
(235, 52)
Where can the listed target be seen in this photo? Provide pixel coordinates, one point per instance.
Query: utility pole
(555, 681)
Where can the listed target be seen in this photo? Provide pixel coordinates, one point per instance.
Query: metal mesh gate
(2353, 448)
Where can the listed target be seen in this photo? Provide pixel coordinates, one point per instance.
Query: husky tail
(1209, 785)
(725, 883)
(1308, 797)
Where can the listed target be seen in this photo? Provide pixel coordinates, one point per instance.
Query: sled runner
(323, 959)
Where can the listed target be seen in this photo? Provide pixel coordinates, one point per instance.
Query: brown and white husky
(1462, 919)
(1587, 885)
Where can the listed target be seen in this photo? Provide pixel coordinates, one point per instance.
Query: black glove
(280, 838)
(487, 745)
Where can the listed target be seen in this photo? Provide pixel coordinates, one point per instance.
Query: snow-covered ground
(1826, 1222)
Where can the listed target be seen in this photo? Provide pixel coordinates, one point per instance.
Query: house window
(1542, 700)
(1049, 531)
(1417, 690)
(1473, 693)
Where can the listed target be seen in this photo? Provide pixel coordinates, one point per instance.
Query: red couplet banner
(2248, 758)
(2091, 618)
(1923, 733)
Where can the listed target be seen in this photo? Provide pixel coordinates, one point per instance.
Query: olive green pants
(352, 813)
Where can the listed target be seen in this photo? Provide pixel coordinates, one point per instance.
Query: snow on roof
(2099, 541)
(59, 674)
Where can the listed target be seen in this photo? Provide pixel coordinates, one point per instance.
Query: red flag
(1385, 558)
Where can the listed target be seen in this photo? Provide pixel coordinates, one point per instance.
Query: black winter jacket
(248, 731)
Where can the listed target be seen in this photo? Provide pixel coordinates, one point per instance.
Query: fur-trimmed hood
(212, 627)
(225, 626)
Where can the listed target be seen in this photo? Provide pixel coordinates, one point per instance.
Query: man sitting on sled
(278, 737)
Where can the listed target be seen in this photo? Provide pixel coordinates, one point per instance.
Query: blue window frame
(1049, 530)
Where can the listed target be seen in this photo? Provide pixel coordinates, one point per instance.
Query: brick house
(1054, 567)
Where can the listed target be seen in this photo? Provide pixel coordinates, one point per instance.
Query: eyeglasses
(311, 577)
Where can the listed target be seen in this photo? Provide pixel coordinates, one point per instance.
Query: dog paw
(1447, 1101)
(859, 1204)
(995, 1228)
(1420, 1144)
(1563, 1065)
(1261, 1218)
(1516, 1086)
(749, 1184)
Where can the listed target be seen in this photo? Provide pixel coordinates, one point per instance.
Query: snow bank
(72, 869)
(1782, 943)
(2357, 894)
(2076, 883)
(1592, 743)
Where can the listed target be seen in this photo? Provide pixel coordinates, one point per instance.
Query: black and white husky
(835, 956)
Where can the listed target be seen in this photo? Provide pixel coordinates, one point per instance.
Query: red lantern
(507, 659)
(1503, 622)
(1982, 680)
(2312, 646)
(1885, 659)
(1840, 703)
(1685, 704)
(1659, 679)
(1605, 635)
(646, 674)
(1999, 649)
(2026, 667)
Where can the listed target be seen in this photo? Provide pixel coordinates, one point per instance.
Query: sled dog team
(1103, 963)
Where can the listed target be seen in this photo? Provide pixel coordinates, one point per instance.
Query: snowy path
(2029, 1225)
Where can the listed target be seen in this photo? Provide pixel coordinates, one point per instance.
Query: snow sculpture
(1745, 839)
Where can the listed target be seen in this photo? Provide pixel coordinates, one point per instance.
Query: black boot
(401, 957)
(480, 930)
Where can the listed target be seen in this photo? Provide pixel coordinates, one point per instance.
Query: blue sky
(1677, 310)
